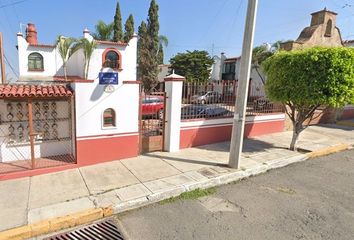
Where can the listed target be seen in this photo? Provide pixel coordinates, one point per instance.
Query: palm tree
(261, 53)
(103, 31)
(87, 47)
(66, 47)
(163, 41)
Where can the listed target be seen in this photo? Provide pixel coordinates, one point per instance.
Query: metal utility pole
(242, 90)
(3, 80)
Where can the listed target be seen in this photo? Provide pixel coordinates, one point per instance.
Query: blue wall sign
(106, 78)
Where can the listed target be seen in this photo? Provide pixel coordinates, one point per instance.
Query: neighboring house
(164, 70)
(228, 69)
(321, 32)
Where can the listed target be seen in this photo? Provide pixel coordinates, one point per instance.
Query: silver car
(206, 97)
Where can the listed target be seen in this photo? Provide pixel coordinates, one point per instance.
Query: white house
(47, 115)
(228, 69)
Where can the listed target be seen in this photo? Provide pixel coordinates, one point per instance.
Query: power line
(12, 4)
(12, 68)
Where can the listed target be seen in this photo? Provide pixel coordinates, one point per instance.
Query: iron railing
(217, 100)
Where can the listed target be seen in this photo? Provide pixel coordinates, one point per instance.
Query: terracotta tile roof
(42, 45)
(348, 41)
(35, 91)
(111, 43)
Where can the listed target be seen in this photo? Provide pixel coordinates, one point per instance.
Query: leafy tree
(66, 47)
(103, 31)
(117, 25)
(195, 65)
(88, 47)
(163, 41)
(129, 28)
(304, 80)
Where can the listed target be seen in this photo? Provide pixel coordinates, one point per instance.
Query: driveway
(309, 200)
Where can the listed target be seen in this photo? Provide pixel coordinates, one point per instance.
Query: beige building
(322, 32)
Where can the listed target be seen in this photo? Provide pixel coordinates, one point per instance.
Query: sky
(213, 25)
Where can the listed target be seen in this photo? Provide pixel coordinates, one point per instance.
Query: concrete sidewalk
(135, 182)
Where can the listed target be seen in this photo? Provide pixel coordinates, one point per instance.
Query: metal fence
(217, 100)
(35, 134)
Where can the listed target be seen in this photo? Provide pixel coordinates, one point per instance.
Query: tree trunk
(65, 72)
(296, 133)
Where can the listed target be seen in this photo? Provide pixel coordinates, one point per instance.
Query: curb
(56, 224)
(328, 150)
(93, 214)
(345, 123)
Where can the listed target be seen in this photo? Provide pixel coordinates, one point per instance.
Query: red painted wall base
(207, 135)
(98, 150)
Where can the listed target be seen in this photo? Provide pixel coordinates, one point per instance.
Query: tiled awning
(34, 91)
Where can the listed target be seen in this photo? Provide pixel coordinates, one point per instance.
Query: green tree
(195, 65)
(117, 25)
(143, 55)
(304, 80)
(103, 31)
(88, 47)
(129, 28)
(163, 41)
(66, 47)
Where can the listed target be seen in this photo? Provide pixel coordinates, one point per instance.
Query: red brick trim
(119, 54)
(174, 79)
(132, 82)
(35, 70)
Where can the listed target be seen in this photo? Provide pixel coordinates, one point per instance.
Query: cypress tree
(142, 51)
(117, 27)
(160, 55)
(129, 28)
(152, 41)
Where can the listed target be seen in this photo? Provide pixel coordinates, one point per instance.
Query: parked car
(206, 97)
(203, 111)
(153, 106)
(262, 103)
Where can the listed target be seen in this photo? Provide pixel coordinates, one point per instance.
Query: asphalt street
(308, 200)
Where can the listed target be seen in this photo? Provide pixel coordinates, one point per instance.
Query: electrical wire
(12, 3)
(12, 68)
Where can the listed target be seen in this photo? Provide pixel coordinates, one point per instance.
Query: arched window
(111, 58)
(35, 62)
(329, 29)
(109, 118)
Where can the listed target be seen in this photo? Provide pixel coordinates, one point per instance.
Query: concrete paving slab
(106, 199)
(195, 176)
(147, 168)
(56, 187)
(187, 160)
(59, 209)
(132, 192)
(107, 176)
(168, 183)
(13, 203)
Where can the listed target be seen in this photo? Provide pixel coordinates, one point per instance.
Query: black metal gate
(152, 121)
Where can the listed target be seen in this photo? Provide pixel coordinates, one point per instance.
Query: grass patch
(197, 193)
(286, 190)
